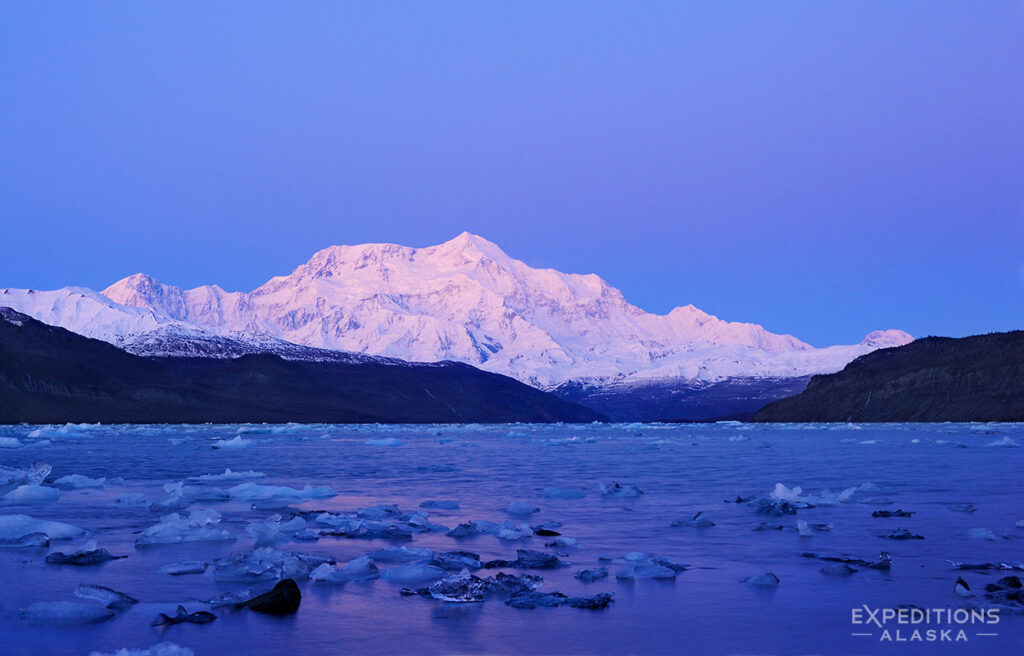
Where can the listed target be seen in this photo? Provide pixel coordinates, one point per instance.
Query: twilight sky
(823, 169)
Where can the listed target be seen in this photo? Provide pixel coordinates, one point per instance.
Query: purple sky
(821, 168)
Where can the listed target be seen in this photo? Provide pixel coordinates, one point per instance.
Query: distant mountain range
(978, 378)
(463, 300)
(51, 375)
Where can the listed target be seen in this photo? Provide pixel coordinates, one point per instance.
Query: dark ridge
(51, 375)
(978, 378)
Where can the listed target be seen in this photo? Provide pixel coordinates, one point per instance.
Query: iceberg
(13, 527)
(65, 613)
(359, 569)
(412, 573)
(77, 482)
(521, 508)
(620, 490)
(256, 492)
(228, 475)
(237, 442)
(184, 567)
(199, 526)
(107, 597)
(266, 564)
(29, 494)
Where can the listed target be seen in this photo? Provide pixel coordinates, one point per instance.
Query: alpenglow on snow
(463, 300)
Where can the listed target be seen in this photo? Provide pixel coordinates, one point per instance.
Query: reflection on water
(933, 471)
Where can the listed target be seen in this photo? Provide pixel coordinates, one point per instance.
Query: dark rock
(892, 513)
(184, 617)
(904, 534)
(82, 559)
(283, 599)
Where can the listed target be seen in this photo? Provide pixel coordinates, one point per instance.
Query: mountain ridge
(463, 300)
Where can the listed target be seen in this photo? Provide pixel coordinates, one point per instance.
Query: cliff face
(979, 378)
(50, 375)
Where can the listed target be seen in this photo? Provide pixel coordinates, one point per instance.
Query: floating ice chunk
(160, 649)
(184, 567)
(738, 438)
(646, 570)
(981, 534)
(838, 569)
(563, 493)
(803, 529)
(402, 554)
(199, 526)
(9, 442)
(591, 575)
(459, 588)
(13, 527)
(266, 564)
(32, 540)
(456, 560)
(521, 508)
(237, 442)
(182, 616)
(273, 530)
(440, 504)
(562, 542)
(700, 520)
(1005, 440)
(510, 532)
(412, 574)
(786, 494)
(528, 559)
(66, 613)
(85, 555)
(77, 481)
(615, 489)
(228, 475)
(132, 499)
(904, 534)
(359, 569)
(107, 597)
(384, 441)
(765, 580)
(28, 494)
(1019, 523)
(254, 491)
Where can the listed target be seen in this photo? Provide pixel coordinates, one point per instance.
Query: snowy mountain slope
(462, 300)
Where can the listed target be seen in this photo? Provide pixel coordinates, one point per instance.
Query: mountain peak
(892, 337)
(470, 246)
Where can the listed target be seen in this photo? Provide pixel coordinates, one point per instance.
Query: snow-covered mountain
(462, 300)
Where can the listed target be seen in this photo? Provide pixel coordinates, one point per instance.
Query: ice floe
(13, 527)
(228, 475)
(236, 442)
(66, 613)
(199, 526)
(159, 649)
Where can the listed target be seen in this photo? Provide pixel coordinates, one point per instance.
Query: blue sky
(821, 168)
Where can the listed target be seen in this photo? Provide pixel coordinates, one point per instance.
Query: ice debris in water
(107, 597)
(824, 498)
(883, 562)
(65, 613)
(11, 477)
(981, 534)
(761, 580)
(236, 442)
(132, 499)
(528, 559)
(27, 494)
(199, 526)
(184, 567)
(464, 587)
(402, 554)
(620, 490)
(272, 529)
(590, 575)
(532, 600)
(228, 475)
(160, 649)
(14, 527)
(700, 520)
(359, 569)
(521, 508)
(254, 491)
(85, 555)
(440, 504)
(266, 564)
(904, 534)
(181, 496)
(1005, 440)
(78, 481)
(9, 442)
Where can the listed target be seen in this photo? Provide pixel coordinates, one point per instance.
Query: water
(927, 469)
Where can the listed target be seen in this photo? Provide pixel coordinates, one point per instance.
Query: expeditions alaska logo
(913, 624)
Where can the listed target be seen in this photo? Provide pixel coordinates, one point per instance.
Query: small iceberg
(66, 613)
(159, 649)
(199, 526)
(228, 475)
(78, 482)
(236, 442)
